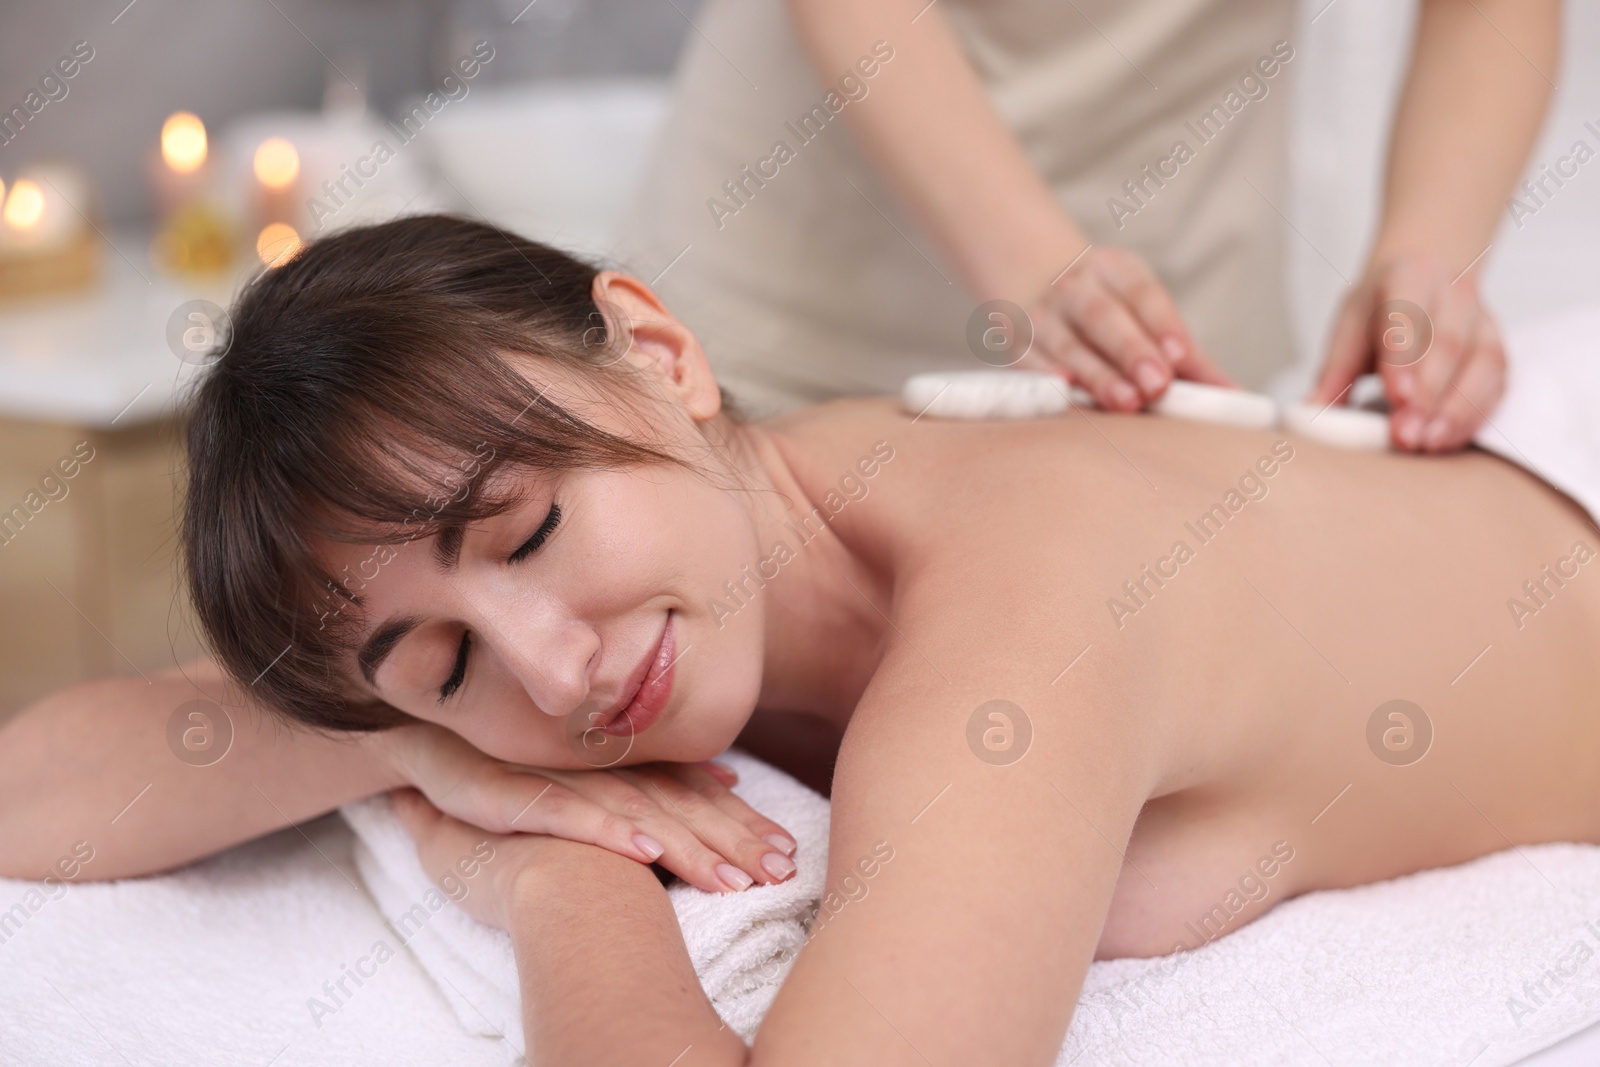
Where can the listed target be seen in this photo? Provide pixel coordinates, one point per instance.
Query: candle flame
(277, 243)
(25, 206)
(276, 163)
(183, 141)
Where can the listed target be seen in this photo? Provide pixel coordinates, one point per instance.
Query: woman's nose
(552, 660)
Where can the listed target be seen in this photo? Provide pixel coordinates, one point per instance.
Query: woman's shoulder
(915, 490)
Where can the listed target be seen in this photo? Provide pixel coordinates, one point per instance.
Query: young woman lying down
(1101, 685)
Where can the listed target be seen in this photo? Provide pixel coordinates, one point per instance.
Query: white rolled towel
(742, 944)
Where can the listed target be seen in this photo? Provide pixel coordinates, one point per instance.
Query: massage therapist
(1116, 169)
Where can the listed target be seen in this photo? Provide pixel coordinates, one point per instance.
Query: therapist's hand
(1111, 326)
(1433, 342)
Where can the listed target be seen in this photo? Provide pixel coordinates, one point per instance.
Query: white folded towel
(742, 944)
(1493, 959)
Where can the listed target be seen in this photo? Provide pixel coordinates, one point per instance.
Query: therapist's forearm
(1474, 100)
(929, 127)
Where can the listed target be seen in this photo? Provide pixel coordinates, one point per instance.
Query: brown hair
(364, 396)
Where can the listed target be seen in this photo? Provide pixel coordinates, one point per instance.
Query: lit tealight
(276, 163)
(277, 243)
(25, 206)
(183, 142)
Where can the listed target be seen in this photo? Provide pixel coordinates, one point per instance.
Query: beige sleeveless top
(1160, 126)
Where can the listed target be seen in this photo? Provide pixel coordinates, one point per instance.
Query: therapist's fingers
(1349, 347)
(1471, 395)
(1110, 390)
(1056, 347)
(1453, 313)
(1103, 322)
(1132, 280)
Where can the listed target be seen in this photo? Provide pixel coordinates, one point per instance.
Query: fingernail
(1151, 380)
(648, 845)
(1173, 348)
(725, 769)
(1409, 429)
(1438, 429)
(1405, 384)
(780, 867)
(781, 842)
(1124, 394)
(733, 877)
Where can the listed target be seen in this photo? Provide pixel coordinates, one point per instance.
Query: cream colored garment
(810, 281)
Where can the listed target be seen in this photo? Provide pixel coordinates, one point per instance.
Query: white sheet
(216, 965)
(1419, 970)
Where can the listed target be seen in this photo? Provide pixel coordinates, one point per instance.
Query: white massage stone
(985, 394)
(1341, 427)
(1367, 393)
(1211, 403)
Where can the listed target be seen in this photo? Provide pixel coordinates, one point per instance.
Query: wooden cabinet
(90, 583)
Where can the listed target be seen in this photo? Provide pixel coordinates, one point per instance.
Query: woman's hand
(1108, 323)
(477, 870)
(680, 815)
(1433, 342)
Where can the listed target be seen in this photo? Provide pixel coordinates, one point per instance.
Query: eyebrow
(381, 643)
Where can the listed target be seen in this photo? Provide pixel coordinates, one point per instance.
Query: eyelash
(545, 529)
(459, 672)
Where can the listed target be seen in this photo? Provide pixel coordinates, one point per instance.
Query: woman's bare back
(1345, 674)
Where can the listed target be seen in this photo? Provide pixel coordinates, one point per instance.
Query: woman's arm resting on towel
(91, 763)
(606, 979)
(96, 763)
(967, 943)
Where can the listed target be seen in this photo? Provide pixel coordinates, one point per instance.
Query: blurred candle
(276, 163)
(42, 209)
(183, 173)
(277, 243)
(25, 206)
(194, 235)
(277, 166)
(47, 245)
(183, 142)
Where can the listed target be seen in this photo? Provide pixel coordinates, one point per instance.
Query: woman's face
(577, 629)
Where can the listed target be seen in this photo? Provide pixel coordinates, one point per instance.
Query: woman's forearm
(1474, 100)
(606, 979)
(930, 128)
(96, 763)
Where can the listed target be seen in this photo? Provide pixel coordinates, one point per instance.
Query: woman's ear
(657, 343)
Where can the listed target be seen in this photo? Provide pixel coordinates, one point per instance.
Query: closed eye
(546, 528)
(458, 673)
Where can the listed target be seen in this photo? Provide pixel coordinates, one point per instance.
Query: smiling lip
(650, 696)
